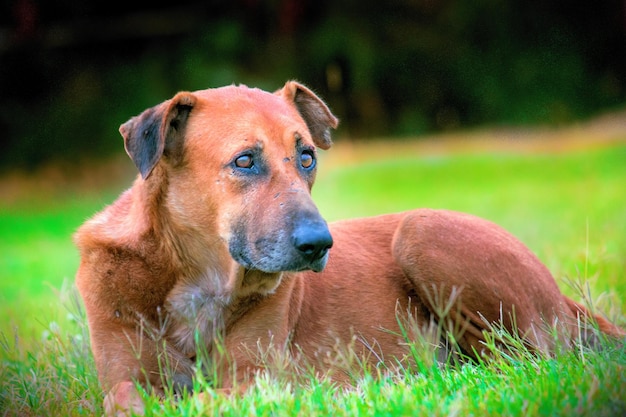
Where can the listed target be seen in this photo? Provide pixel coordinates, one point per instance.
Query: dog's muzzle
(301, 244)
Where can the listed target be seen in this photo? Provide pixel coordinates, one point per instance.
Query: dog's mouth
(317, 260)
(275, 264)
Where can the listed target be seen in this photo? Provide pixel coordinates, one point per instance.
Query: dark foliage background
(72, 72)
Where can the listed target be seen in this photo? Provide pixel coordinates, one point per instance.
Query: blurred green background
(72, 72)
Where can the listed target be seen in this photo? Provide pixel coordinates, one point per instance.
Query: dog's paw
(182, 383)
(123, 401)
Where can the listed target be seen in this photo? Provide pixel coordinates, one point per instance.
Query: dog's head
(237, 166)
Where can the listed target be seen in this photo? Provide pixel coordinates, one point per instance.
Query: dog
(219, 241)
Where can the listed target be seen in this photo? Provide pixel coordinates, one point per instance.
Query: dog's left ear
(315, 113)
(156, 132)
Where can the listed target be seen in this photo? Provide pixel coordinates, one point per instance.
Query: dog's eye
(244, 161)
(307, 159)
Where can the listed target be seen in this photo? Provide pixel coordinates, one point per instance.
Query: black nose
(312, 240)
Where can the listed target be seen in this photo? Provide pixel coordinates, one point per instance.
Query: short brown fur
(201, 249)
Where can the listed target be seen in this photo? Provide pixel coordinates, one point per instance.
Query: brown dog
(218, 239)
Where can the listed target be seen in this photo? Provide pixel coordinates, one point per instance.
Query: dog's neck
(200, 311)
(212, 291)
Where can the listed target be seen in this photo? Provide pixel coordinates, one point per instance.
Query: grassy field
(567, 203)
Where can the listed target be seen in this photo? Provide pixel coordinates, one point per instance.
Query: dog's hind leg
(477, 277)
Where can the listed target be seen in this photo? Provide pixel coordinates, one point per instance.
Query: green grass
(38, 256)
(570, 208)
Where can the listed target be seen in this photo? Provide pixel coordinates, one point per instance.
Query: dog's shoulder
(121, 260)
(119, 222)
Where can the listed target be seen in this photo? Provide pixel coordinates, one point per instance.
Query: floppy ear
(156, 132)
(315, 113)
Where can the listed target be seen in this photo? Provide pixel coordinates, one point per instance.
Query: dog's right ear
(156, 132)
(315, 113)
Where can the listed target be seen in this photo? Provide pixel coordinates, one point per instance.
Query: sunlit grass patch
(567, 385)
(54, 375)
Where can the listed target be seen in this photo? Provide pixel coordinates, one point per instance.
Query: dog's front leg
(127, 356)
(123, 400)
(233, 380)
